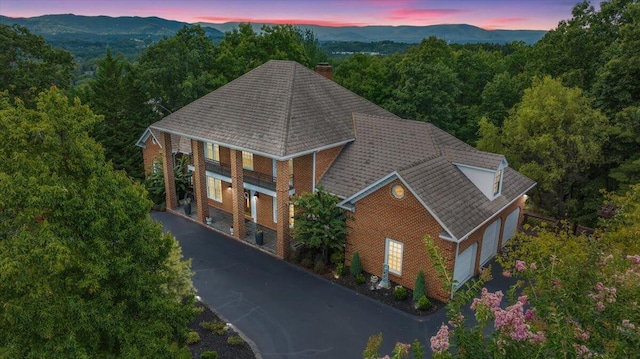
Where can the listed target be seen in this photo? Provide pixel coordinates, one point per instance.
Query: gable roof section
(278, 109)
(382, 145)
(424, 158)
(179, 144)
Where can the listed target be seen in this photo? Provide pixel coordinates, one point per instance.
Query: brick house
(282, 129)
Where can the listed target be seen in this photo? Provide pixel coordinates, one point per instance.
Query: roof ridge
(418, 162)
(287, 119)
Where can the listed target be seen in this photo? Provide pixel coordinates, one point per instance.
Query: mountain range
(90, 28)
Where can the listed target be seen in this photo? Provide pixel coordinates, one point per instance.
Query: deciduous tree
(84, 271)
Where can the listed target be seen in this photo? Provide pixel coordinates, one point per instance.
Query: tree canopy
(84, 271)
(29, 65)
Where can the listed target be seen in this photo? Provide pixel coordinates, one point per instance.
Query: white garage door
(464, 265)
(510, 226)
(490, 242)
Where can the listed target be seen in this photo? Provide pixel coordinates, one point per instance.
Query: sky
(488, 14)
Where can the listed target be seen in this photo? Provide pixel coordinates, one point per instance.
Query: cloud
(320, 22)
(422, 14)
(500, 23)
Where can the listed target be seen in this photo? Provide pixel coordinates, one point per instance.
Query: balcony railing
(252, 177)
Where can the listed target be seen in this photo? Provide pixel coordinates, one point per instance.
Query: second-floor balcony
(252, 177)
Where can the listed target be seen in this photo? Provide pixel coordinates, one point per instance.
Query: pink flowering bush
(576, 296)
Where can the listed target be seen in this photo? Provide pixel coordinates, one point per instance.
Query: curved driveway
(286, 311)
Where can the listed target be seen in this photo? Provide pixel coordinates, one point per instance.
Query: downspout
(313, 176)
(453, 285)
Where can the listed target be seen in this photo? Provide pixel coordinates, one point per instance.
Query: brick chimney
(324, 69)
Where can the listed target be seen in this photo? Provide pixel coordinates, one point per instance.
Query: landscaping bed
(209, 340)
(384, 295)
(303, 259)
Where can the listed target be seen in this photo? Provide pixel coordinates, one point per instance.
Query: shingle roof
(278, 109)
(424, 157)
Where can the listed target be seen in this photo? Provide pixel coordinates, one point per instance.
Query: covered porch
(222, 221)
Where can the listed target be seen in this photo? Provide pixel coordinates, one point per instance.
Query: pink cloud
(422, 14)
(330, 23)
(500, 23)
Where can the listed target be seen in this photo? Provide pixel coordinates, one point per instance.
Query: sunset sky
(488, 14)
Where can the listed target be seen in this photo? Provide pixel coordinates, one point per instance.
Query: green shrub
(209, 355)
(356, 265)
(400, 293)
(216, 326)
(306, 262)
(320, 267)
(424, 303)
(340, 269)
(360, 278)
(419, 290)
(193, 337)
(337, 257)
(235, 340)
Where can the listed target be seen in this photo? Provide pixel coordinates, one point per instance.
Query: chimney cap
(323, 64)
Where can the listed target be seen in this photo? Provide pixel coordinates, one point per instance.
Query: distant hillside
(458, 33)
(90, 28)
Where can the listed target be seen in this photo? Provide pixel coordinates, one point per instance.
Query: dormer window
(497, 182)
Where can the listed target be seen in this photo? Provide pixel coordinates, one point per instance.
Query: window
(247, 160)
(292, 212)
(496, 183)
(212, 152)
(393, 256)
(214, 188)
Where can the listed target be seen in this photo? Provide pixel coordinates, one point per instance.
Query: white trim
(386, 255)
(497, 212)
(476, 168)
(453, 285)
(244, 184)
(260, 153)
(142, 141)
(274, 209)
(386, 180)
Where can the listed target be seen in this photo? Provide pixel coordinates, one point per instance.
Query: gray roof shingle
(424, 157)
(278, 109)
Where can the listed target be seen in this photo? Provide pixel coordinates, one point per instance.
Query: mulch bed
(384, 295)
(210, 341)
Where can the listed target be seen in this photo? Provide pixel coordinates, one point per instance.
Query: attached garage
(490, 242)
(464, 265)
(510, 226)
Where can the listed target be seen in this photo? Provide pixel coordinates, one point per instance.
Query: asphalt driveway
(286, 311)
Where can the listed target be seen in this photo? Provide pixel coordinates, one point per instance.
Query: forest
(86, 273)
(565, 111)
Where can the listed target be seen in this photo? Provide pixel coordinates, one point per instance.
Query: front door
(247, 203)
(250, 204)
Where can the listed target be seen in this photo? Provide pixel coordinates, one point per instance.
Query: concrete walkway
(286, 311)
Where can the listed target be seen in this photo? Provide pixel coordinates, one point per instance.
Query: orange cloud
(329, 23)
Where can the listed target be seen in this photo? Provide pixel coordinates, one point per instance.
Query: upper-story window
(497, 182)
(247, 160)
(291, 172)
(212, 152)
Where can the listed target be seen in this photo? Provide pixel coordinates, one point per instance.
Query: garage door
(490, 242)
(510, 226)
(464, 265)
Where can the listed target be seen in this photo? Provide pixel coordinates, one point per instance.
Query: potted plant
(259, 237)
(187, 206)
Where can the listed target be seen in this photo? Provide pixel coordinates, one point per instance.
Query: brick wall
(262, 164)
(380, 216)
(324, 159)
(264, 209)
(150, 152)
(303, 174)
